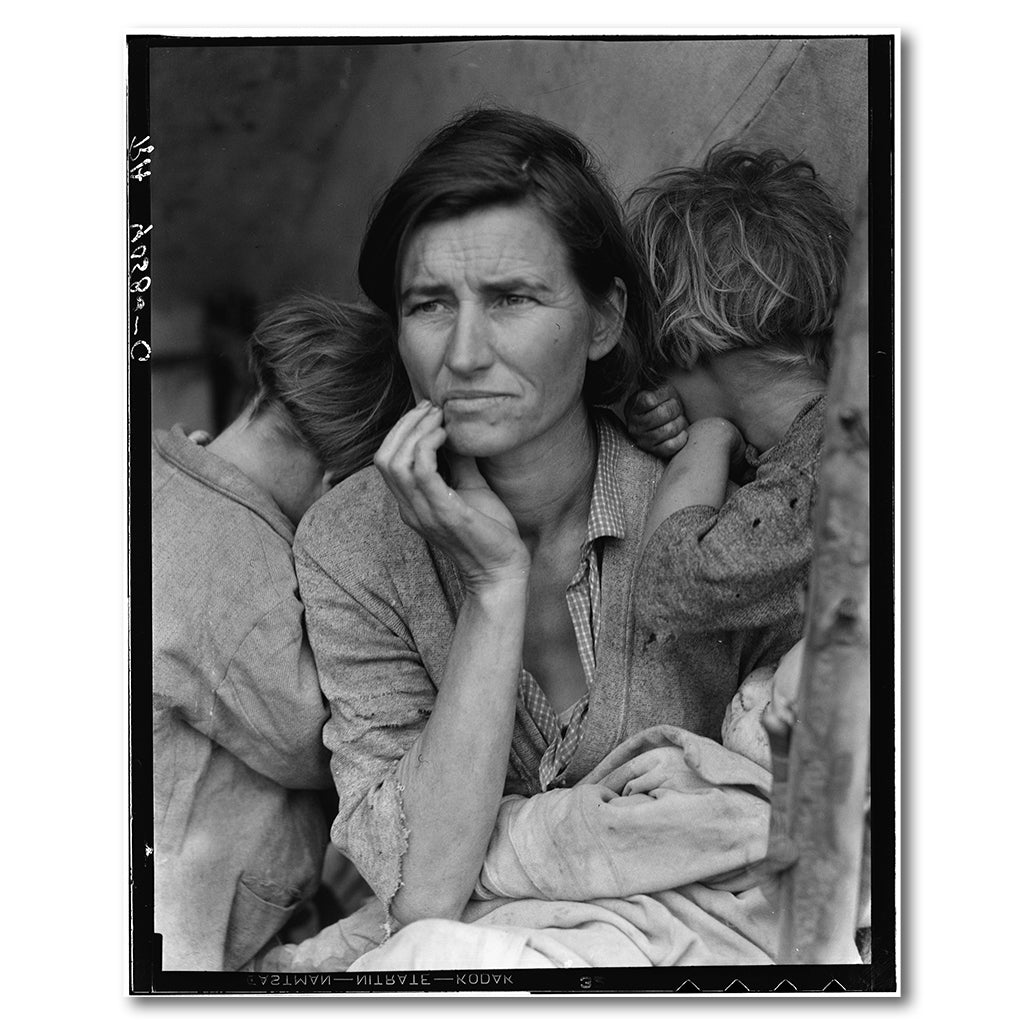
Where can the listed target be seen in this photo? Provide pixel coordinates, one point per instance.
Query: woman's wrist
(500, 587)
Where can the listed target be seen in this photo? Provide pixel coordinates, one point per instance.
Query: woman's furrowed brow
(426, 290)
(515, 283)
(499, 285)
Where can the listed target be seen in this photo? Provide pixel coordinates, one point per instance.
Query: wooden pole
(828, 758)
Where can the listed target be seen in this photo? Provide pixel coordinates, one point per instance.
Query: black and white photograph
(512, 443)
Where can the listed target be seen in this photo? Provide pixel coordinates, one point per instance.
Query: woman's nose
(469, 343)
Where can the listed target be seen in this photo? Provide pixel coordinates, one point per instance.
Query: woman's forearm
(453, 777)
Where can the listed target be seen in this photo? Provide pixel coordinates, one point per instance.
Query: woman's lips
(471, 401)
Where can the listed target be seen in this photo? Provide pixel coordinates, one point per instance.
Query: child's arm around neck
(699, 474)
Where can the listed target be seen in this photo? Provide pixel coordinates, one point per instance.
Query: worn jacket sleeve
(380, 696)
(740, 567)
(267, 709)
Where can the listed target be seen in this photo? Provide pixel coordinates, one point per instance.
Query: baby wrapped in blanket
(657, 858)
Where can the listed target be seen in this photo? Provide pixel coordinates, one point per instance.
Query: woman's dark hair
(332, 373)
(494, 156)
(746, 251)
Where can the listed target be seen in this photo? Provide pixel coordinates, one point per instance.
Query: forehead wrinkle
(477, 248)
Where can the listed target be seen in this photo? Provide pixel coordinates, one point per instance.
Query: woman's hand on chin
(467, 520)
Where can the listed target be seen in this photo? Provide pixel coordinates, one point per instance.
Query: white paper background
(65, 862)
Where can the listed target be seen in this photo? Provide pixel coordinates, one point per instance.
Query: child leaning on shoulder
(747, 255)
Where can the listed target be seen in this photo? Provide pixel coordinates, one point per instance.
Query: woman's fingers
(407, 460)
(417, 439)
(648, 769)
(425, 452)
(648, 779)
(466, 519)
(395, 444)
(429, 493)
(410, 469)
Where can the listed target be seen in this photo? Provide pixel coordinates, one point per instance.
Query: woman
(240, 769)
(470, 600)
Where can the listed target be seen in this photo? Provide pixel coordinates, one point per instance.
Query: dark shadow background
(269, 154)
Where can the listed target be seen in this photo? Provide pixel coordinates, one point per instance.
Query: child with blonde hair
(747, 255)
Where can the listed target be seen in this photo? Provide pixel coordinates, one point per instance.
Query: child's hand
(656, 421)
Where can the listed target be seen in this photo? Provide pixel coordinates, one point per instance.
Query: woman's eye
(430, 306)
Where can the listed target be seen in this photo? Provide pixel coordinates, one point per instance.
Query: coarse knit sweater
(381, 607)
(725, 587)
(241, 778)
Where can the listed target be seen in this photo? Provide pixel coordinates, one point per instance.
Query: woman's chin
(478, 442)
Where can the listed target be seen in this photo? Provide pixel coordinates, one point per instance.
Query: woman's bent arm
(422, 711)
(422, 706)
(454, 775)
(454, 778)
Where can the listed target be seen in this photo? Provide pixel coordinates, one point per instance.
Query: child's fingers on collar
(667, 413)
(667, 449)
(643, 401)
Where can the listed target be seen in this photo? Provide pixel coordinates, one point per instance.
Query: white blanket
(656, 858)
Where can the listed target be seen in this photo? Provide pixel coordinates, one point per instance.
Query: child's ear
(610, 318)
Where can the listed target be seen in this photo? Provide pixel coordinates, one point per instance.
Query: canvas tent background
(269, 155)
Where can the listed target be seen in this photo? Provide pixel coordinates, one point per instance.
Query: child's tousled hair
(331, 372)
(746, 251)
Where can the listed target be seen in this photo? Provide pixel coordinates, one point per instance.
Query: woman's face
(495, 329)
